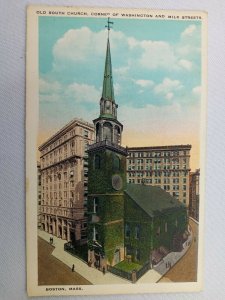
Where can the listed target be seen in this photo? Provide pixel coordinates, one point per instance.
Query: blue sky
(156, 74)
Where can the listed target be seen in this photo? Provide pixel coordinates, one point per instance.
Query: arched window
(137, 254)
(97, 162)
(107, 131)
(117, 135)
(116, 163)
(108, 107)
(95, 205)
(127, 230)
(166, 227)
(137, 232)
(98, 133)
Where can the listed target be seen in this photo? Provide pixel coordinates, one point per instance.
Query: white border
(31, 174)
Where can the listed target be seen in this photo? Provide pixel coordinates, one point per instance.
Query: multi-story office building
(167, 167)
(64, 168)
(194, 194)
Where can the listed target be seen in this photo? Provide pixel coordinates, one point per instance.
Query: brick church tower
(106, 179)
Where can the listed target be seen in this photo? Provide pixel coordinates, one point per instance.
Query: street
(185, 269)
(51, 271)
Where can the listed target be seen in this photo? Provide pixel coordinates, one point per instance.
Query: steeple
(108, 106)
(107, 91)
(107, 127)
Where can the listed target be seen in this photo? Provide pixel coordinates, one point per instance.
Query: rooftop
(170, 147)
(153, 200)
(64, 129)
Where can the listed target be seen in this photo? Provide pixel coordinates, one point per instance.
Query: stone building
(39, 194)
(194, 194)
(167, 167)
(64, 169)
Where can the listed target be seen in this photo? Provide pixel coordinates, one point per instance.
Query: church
(126, 222)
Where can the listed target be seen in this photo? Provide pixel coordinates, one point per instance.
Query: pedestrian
(52, 240)
(73, 268)
(103, 270)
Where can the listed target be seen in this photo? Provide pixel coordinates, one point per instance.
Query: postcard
(115, 150)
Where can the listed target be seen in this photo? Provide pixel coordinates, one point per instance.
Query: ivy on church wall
(150, 236)
(110, 237)
(110, 234)
(110, 207)
(114, 239)
(100, 179)
(166, 226)
(135, 216)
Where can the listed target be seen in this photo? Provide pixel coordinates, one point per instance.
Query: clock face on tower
(117, 182)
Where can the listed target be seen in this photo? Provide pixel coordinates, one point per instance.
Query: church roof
(153, 200)
(108, 91)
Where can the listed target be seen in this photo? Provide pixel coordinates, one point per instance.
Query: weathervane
(109, 25)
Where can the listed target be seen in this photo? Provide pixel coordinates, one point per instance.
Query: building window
(137, 254)
(85, 149)
(128, 250)
(127, 231)
(97, 162)
(95, 205)
(176, 187)
(116, 163)
(137, 232)
(158, 231)
(166, 227)
(86, 133)
(176, 180)
(95, 234)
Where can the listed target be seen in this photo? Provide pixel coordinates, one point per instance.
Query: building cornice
(64, 130)
(158, 148)
(107, 119)
(107, 145)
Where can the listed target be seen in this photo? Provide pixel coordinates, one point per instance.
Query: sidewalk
(161, 269)
(96, 277)
(93, 275)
